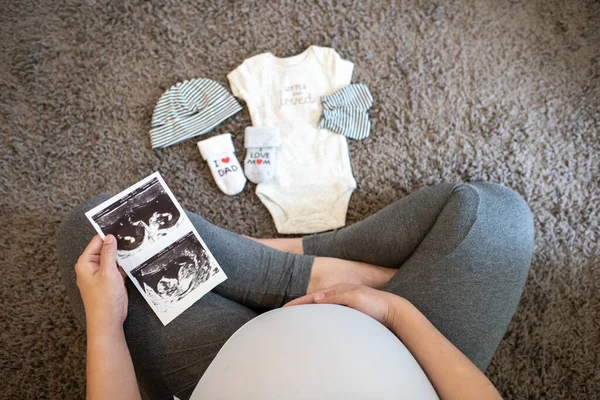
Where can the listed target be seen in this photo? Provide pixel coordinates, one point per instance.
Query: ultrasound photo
(175, 272)
(158, 247)
(140, 218)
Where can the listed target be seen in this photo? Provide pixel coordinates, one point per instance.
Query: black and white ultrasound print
(175, 272)
(140, 218)
(158, 247)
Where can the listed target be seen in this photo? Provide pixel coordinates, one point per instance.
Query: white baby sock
(261, 145)
(224, 166)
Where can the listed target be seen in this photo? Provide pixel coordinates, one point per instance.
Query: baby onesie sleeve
(243, 84)
(340, 69)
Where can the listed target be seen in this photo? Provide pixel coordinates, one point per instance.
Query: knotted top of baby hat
(345, 111)
(189, 109)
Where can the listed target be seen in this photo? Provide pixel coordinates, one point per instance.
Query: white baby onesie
(313, 179)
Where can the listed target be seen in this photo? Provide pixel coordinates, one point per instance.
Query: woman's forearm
(110, 373)
(450, 372)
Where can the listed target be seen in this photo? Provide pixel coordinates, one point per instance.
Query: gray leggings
(462, 253)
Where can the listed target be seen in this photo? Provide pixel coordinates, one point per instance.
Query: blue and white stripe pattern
(345, 111)
(189, 109)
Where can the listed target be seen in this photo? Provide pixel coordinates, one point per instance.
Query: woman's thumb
(108, 255)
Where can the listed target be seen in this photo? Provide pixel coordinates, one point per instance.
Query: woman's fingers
(306, 299)
(92, 249)
(372, 302)
(340, 294)
(89, 260)
(109, 252)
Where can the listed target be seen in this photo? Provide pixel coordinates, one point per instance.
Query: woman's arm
(110, 373)
(450, 372)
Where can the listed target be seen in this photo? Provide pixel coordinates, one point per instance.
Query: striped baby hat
(189, 109)
(345, 111)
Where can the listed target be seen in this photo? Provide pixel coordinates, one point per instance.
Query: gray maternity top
(317, 351)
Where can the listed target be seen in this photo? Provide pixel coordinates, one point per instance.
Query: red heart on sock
(225, 160)
(259, 161)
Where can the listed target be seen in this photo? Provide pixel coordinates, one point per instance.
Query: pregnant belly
(314, 352)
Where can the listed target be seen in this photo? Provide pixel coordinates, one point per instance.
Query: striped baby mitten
(218, 151)
(345, 111)
(261, 145)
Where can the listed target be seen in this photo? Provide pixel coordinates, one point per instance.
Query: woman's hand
(110, 373)
(101, 284)
(382, 306)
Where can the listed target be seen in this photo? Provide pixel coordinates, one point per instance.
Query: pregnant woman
(411, 302)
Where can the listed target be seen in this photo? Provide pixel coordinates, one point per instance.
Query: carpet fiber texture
(506, 91)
